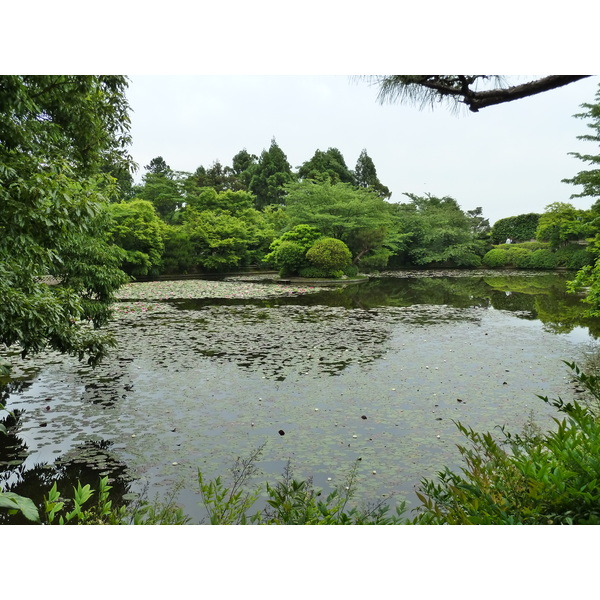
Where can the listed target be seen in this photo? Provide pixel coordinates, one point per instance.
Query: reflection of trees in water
(400, 292)
(12, 387)
(546, 298)
(86, 464)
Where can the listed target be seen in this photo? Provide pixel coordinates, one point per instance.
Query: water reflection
(85, 464)
(531, 296)
(207, 378)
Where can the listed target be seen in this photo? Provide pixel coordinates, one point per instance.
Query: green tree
(241, 165)
(441, 234)
(562, 222)
(269, 176)
(158, 166)
(137, 229)
(209, 199)
(217, 176)
(590, 178)
(357, 216)
(329, 164)
(56, 133)
(365, 175)
(164, 189)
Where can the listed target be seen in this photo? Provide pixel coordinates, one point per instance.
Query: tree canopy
(56, 135)
(357, 216)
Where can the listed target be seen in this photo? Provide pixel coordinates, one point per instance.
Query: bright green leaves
(358, 217)
(137, 229)
(55, 133)
(439, 233)
(15, 503)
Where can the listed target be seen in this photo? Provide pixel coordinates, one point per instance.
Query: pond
(375, 372)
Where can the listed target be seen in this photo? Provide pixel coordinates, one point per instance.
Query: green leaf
(13, 501)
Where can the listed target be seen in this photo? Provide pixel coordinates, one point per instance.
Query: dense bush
(518, 257)
(532, 478)
(519, 228)
(542, 259)
(574, 256)
(329, 254)
(495, 258)
(289, 257)
(536, 255)
(312, 272)
(351, 271)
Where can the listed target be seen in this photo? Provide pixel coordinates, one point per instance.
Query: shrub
(351, 271)
(543, 259)
(573, 256)
(288, 257)
(495, 258)
(532, 478)
(312, 272)
(518, 257)
(329, 254)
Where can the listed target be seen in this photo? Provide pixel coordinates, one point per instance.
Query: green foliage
(164, 192)
(329, 165)
(532, 478)
(15, 503)
(292, 257)
(269, 176)
(137, 229)
(536, 255)
(573, 256)
(358, 217)
(590, 178)
(542, 259)
(207, 198)
(289, 501)
(330, 255)
(562, 222)
(289, 257)
(56, 135)
(315, 272)
(230, 505)
(518, 257)
(216, 240)
(495, 258)
(95, 507)
(218, 177)
(365, 176)
(296, 502)
(179, 255)
(519, 228)
(439, 233)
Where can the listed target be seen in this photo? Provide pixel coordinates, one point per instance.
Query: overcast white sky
(508, 159)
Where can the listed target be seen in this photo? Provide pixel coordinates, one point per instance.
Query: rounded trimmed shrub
(329, 254)
(495, 258)
(519, 257)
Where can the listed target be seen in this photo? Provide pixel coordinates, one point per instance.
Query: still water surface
(198, 382)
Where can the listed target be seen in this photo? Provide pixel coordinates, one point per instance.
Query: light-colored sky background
(509, 159)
